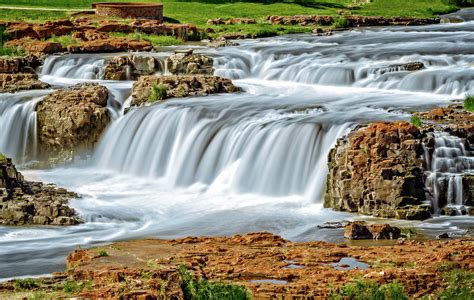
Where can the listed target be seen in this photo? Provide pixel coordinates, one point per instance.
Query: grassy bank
(199, 12)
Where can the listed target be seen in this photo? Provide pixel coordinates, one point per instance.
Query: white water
(448, 163)
(256, 160)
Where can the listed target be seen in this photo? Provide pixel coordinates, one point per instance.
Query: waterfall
(18, 129)
(84, 66)
(448, 164)
(271, 153)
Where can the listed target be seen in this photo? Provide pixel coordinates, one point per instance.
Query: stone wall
(152, 11)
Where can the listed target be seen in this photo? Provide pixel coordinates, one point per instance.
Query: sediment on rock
(179, 86)
(71, 120)
(24, 202)
(187, 63)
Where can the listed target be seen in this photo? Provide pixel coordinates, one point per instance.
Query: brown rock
(72, 119)
(357, 231)
(10, 83)
(180, 86)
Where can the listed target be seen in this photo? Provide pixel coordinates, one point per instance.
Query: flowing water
(226, 164)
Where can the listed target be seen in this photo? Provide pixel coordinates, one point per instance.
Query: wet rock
(179, 86)
(333, 225)
(72, 119)
(408, 67)
(443, 236)
(357, 231)
(130, 67)
(378, 170)
(24, 202)
(187, 63)
(221, 43)
(384, 231)
(14, 65)
(10, 83)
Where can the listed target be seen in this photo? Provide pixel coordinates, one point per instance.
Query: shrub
(415, 121)
(25, 284)
(158, 93)
(459, 2)
(368, 290)
(205, 290)
(340, 22)
(469, 103)
(73, 286)
(103, 253)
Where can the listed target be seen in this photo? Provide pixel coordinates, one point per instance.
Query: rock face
(130, 67)
(72, 119)
(378, 170)
(23, 202)
(187, 63)
(14, 65)
(10, 83)
(179, 86)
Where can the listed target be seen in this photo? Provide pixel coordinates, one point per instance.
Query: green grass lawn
(199, 12)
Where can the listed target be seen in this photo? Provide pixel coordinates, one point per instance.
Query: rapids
(226, 164)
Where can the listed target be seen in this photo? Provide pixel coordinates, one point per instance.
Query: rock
(333, 225)
(409, 67)
(180, 86)
(221, 43)
(231, 21)
(443, 236)
(10, 83)
(130, 67)
(378, 170)
(357, 231)
(72, 119)
(110, 45)
(384, 231)
(360, 230)
(23, 202)
(13, 65)
(36, 47)
(189, 63)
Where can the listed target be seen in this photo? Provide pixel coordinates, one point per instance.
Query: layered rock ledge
(18, 73)
(71, 120)
(177, 86)
(269, 266)
(25, 202)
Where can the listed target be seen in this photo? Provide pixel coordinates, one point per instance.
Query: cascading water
(226, 164)
(448, 164)
(18, 132)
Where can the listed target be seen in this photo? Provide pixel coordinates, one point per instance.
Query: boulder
(13, 65)
(72, 119)
(179, 86)
(110, 45)
(10, 83)
(130, 67)
(24, 202)
(378, 170)
(360, 230)
(186, 62)
(36, 47)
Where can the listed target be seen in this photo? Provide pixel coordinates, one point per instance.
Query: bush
(158, 93)
(469, 103)
(459, 2)
(73, 286)
(25, 284)
(340, 22)
(368, 290)
(103, 253)
(205, 290)
(415, 121)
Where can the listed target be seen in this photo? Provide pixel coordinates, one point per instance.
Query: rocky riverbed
(265, 264)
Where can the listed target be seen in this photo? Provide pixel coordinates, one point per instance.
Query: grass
(469, 103)
(103, 253)
(155, 40)
(158, 93)
(25, 284)
(31, 15)
(64, 40)
(73, 286)
(4, 51)
(198, 12)
(2, 157)
(460, 285)
(415, 121)
(362, 289)
(206, 290)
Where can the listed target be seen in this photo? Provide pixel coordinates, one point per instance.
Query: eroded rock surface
(268, 265)
(179, 86)
(353, 21)
(72, 119)
(378, 170)
(188, 63)
(10, 83)
(24, 202)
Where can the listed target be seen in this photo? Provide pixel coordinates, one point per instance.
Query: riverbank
(265, 265)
